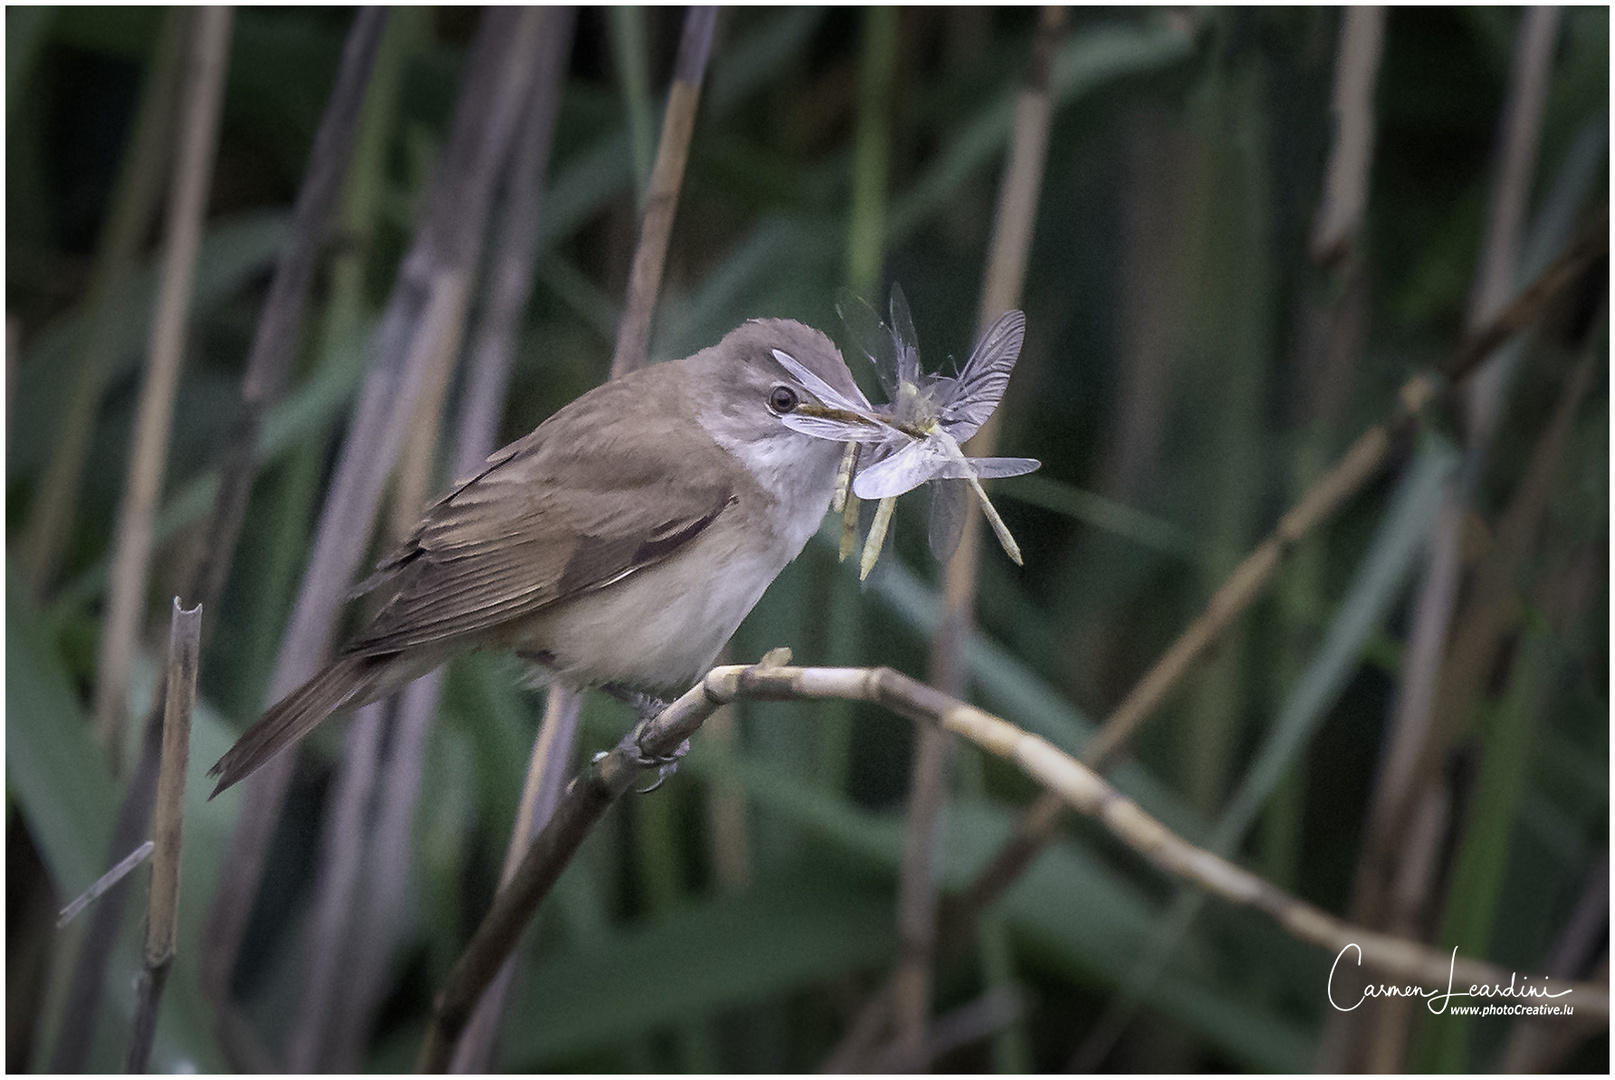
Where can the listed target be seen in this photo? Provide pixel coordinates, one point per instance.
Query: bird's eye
(782, 399)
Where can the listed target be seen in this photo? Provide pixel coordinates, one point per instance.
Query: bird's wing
(549, 519)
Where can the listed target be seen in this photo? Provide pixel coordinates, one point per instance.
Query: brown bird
(619, 544)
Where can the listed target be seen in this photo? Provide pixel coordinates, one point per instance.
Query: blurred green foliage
(1207, 132)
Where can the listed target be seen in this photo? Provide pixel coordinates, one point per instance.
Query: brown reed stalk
(209, 53)
(1345, 187)
(162, 923)
(667, 177)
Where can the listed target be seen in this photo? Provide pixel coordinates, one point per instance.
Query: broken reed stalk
(162, 924)
(667, 177)
(209, 53)
(1002, 284)
(1076, 785)
(1038, 825)
(103, 883)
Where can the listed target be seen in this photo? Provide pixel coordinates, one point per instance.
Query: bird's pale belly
(660, 629)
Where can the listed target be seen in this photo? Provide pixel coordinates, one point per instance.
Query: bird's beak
(824, 412)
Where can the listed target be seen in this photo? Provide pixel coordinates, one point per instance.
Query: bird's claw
(665, 765)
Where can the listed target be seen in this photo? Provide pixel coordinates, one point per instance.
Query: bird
(617, 545)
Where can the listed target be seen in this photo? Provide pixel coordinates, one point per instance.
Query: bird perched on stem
(619, 544)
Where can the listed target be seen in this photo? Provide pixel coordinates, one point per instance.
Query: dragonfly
(916, 437)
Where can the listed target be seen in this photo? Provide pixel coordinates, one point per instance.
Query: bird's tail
(347, 682)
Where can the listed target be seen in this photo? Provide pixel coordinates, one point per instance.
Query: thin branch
(1530, 302)
(134, 204)
(187, 205)
(88, 984)
(1360, 463)
(427, 302)
(667, 177)
(1077, 786)
(162, 924)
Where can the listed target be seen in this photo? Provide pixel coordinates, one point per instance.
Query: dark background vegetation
(1163, 384)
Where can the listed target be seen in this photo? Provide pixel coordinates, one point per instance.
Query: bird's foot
(665, 765)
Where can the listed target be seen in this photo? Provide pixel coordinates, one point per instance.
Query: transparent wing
(981, 468)
(985, 377)
(993, 468)
(869, 337)
(822, 390)
(903, 470)
(905, 340)
(847, 431)
(949, 501)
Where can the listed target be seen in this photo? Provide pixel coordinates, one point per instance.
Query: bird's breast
(661, 628)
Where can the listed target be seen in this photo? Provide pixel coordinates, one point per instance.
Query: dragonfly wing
(903, 470)
(992, 468)
(985, 376)
(870, 337)
(982, 468)
(847, 431)
(907, 342)
(822, 390)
